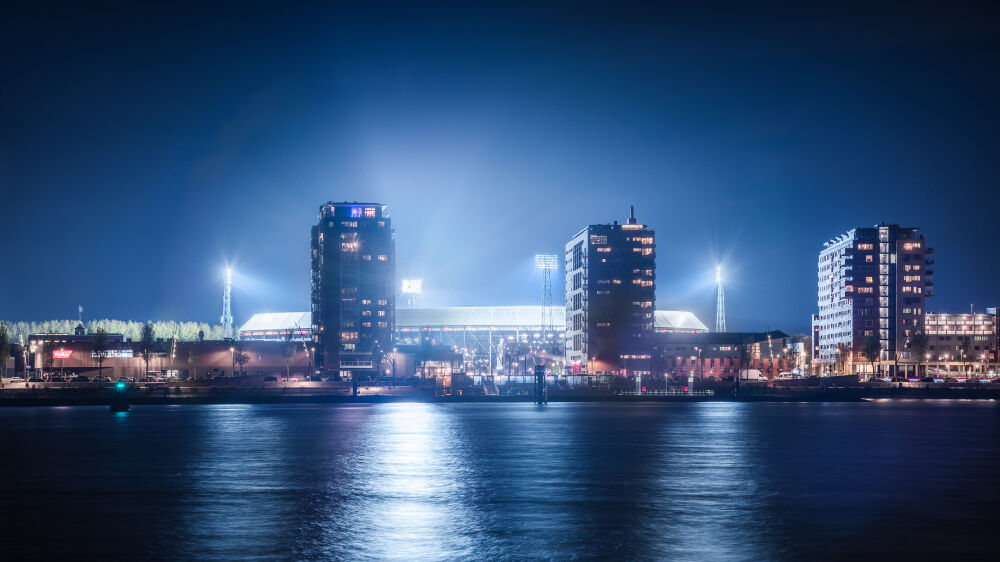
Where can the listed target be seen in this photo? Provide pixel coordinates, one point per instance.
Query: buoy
(119, 397)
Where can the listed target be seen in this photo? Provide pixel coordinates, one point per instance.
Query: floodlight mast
(411, 288)
(720, 304)
(546, 263)
(227, 312)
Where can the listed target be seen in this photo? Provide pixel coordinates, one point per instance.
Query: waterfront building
(353, 288)
(872, 282)
(959, 344)
(610, 298)
(487, 337)
(723, 355)
(73, 355)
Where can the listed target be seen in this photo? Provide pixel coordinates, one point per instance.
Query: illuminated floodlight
(718, 274)
(412, 286)
(546, 261)
(229, 275)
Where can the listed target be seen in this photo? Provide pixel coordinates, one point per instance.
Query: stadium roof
(495, 316)
(278, 321)
(677, 320)
(486, 316)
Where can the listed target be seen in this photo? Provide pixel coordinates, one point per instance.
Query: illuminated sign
(62, 353)
(412, 286)
(115, 353)
(356, 212)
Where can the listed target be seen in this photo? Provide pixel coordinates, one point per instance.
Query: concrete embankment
(311, 392)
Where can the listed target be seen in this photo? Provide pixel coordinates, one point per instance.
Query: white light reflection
(412, 493)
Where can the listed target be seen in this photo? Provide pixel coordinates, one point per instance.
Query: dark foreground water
(708, 481)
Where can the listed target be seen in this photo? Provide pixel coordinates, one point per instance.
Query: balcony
(355, 364)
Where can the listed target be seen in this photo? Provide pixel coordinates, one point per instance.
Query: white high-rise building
(872, 283)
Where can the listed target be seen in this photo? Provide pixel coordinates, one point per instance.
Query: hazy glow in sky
(143, 148)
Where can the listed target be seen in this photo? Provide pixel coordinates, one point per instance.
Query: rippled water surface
(708, 481)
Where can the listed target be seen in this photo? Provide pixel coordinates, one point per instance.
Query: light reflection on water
(708, 481)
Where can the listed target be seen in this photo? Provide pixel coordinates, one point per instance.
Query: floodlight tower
(720, 304)
(227, 312)
(546, 263)
(411, 288)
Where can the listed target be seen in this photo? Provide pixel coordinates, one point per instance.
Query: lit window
(370, 212)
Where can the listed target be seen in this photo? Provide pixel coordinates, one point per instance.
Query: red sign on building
(62, 353)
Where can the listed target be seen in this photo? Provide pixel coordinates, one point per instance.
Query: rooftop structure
(275, 326)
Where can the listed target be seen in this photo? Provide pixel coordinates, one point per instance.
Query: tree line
(132, 330)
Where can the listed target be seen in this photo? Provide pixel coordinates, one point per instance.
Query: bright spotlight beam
(546, 261)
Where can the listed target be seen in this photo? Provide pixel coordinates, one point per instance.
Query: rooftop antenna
(631, 214)
(227, 312)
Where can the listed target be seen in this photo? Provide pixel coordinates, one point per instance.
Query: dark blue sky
(141, 147)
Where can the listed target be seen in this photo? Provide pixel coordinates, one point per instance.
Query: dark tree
(288, 352)
(240, 356)
(872, 349)
(100, 349)
(964, 352)
(147, 345)
(192, 360)
(918, 346)
(201, 336)
(4, 346)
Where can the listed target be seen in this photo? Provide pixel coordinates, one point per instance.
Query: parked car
(270, 379)
(57, 379)
(35, 379)
(80, 378)
(15, 379)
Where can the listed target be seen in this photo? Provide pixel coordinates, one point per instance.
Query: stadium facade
(484, 335)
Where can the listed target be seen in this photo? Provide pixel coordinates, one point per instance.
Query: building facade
(610, 298)
(963, 338)
(872, 282)
(353, 288)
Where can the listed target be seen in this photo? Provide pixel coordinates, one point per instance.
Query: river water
(692, 481)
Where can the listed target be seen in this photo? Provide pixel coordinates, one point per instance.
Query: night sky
(142, 148)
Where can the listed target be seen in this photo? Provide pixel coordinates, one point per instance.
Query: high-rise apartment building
(872, 282)
(610, 298)
(353, 288)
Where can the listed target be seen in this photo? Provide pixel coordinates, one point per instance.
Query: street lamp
(232, 351)
(701, 366)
